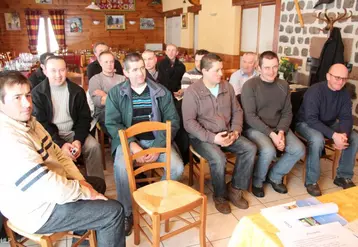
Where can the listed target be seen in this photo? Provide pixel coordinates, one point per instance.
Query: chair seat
(165, 196)
(33, 236)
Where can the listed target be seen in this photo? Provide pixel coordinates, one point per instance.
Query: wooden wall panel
(131, 38)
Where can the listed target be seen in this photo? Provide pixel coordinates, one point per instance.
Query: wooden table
(255, 230)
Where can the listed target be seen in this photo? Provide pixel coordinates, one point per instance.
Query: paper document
(353, 226)
(303, 213)
(328, 235)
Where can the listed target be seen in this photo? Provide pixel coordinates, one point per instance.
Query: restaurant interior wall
(301, 43)
(132, 37)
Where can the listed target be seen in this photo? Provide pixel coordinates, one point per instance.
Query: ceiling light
(93, 6)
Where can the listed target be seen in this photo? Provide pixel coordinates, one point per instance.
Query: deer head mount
(331, 20)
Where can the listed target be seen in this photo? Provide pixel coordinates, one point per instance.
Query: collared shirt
(238, 79)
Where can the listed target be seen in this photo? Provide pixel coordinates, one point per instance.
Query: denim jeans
(106, 217)
(294, 150)
(245, 154)
(121, 176)
(315, 142)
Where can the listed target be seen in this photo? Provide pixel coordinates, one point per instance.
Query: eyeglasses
(338, 78)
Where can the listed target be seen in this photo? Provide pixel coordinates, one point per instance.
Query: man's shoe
(128, 224)
(222, 205)
(258, 191)
(280, 188)
(345, 183)
(313, 189)
(236, 196)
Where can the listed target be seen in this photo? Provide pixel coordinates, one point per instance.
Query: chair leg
(202, 175)
(101, 141)
(92, 238)
(136, 226)
(156, 229)
(10, 235)
(304, 169)
(285, 179)
(166, 228)
(203, 222)
(191, 168)
(336, 158)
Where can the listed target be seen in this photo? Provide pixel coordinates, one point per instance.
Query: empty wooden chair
(45, 240)
(164, 199)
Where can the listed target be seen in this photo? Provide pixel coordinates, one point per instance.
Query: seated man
(213, 118)
(137, 100)
(95, 68)
(171, 71)
(326, 112)
(100, 84)
(246, 72)
(195, 74)
(38, 76)
(44, 190)
(61, 107)
(150, 62)
(267, 106)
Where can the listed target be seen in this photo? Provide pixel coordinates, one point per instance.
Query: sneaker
(222, 205)
(128, 224)
(313, 189)
(236, 196)
(280, 188)
(345, 183)
(258, 191)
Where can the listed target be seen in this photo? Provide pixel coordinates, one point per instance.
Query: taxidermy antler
(330, 20)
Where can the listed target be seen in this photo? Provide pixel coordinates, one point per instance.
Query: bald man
(326, 112)
(246, 72)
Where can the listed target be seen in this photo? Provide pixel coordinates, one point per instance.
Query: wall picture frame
(184, 20)
(147, 23)
(12, 21)
(75, 24)
(115, 22)
(43, 1)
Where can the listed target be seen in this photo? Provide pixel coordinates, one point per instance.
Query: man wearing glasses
(326, 112)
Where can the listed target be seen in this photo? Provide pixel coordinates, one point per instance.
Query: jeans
(294, 150)
(315, 142)
(245, 154)
(105, 217)
(121, 176)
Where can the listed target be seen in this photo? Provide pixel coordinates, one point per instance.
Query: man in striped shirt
(195, 74)
(136, 100)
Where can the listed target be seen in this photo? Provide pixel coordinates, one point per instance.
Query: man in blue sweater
(326, 112)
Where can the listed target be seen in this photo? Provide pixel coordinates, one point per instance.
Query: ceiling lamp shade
(93, 6)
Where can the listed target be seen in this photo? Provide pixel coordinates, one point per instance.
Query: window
(46, 40)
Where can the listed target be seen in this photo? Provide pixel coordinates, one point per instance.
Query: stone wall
(301, 43)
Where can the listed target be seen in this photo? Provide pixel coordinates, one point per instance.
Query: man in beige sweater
(43, 190)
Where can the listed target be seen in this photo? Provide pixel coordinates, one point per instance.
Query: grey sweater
(267, 106)
(104, 83)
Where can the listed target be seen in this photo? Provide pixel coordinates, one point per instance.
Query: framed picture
(184, 21)
(115, 22)
(12, 21)
(44, 1)
(75, 25)
(147, 23)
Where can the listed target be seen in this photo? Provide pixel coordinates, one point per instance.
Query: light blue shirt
(215, 90)
(238, 79)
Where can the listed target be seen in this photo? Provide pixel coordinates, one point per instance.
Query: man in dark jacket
(171, 71)
(137, 100)
(38, 76)
(95, 68)
(61, 107)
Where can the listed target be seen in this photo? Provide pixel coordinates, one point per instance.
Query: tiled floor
(219, 227)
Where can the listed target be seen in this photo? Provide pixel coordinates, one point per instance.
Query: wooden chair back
(227, 73)
(130, 158)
